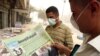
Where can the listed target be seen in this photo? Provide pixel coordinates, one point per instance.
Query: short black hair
(52, 9)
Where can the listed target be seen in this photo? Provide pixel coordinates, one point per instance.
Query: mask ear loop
(82, 12)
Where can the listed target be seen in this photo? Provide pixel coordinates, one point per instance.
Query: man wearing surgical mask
(86, 14)
(57, 30)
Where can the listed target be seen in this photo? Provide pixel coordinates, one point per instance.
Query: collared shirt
(61, 34)
(92, 48)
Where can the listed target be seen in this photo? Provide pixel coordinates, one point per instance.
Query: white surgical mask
(51, 21)
(74, 23)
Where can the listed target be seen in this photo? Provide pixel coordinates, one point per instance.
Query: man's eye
(50, 17)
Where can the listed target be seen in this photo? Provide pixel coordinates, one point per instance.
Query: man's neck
(92, 37)
(57, 24)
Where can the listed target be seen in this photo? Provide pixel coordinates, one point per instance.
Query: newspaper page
(29, 43)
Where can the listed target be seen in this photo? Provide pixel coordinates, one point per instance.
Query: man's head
(52, 13)
(86, 13)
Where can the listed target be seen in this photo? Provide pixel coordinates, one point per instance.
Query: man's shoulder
(65, 26)
(48, 27)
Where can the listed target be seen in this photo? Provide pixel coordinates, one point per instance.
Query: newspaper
(28, 43)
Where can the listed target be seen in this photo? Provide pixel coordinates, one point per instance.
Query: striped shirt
(61, 34)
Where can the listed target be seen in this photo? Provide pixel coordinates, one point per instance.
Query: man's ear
(95, 7)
